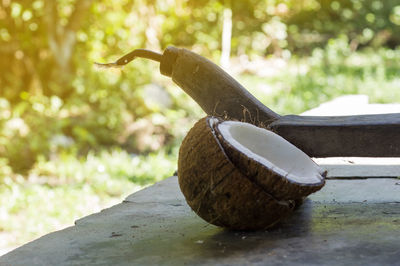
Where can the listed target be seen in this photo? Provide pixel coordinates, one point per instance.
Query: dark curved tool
(219, 94)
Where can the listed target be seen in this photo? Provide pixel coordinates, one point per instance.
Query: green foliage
(55, 193)
(365, 22)
(327, 74)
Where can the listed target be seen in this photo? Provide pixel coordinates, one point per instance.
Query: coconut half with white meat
(240, 176)
(269, 160)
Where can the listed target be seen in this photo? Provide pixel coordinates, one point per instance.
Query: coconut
(239, 176)
(270, 161)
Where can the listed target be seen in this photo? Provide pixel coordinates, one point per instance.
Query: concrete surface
(358, 167)
(349, 222)
(352, 105)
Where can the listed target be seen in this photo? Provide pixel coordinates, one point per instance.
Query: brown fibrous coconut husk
(218, 191)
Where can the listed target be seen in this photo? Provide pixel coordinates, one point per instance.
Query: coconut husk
(218, 191)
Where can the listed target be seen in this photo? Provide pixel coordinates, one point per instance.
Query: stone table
(348, 222)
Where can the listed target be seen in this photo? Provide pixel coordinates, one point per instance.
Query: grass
(57, 192)
(305, 83)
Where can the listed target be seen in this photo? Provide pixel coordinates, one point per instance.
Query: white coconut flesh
(271, 150)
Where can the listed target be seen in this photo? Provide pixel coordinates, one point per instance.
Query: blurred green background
(75, 139)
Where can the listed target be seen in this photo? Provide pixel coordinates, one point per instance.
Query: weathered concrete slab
(349, 222)
(365, 191)
(353, 171)
(350, 167)
(352, 105)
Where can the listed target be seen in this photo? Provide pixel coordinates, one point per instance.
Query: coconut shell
(217, 191)
(275, 184)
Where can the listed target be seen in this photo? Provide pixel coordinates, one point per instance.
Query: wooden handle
(212, 88)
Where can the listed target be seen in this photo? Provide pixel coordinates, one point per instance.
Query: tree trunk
(226, 38)
(62, 39)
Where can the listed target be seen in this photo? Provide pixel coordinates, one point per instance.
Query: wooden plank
(363, 135)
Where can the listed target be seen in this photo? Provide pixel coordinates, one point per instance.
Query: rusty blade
(143, 53)
(107, 65)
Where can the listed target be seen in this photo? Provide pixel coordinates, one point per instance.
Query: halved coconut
(269, 160)
(217, 191)
(226, 192)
